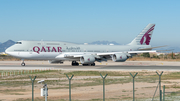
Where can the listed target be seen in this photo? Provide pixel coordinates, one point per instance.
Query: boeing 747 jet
(57, 52)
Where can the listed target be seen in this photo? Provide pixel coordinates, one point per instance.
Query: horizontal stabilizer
(164, 50)
(151, 48)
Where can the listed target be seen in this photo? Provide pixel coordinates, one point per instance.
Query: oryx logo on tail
(146, 37)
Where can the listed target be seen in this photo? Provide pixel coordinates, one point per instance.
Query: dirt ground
(119, 91)
(113, 91)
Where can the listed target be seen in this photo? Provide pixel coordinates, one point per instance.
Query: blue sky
(83, 21)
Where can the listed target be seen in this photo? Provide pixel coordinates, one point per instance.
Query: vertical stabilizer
(144, 37)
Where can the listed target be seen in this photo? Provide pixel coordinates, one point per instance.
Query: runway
(65, 67)
(129, 66)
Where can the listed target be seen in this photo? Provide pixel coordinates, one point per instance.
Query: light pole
(45, 93)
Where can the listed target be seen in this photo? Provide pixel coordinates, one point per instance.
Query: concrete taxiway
(128, 66)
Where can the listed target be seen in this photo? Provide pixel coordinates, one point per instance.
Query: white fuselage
(49, 50)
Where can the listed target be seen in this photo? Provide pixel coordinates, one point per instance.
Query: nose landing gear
(23, 64)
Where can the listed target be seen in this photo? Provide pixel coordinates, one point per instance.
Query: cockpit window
(18, 42)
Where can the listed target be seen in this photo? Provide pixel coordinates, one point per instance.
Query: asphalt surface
(97, 67)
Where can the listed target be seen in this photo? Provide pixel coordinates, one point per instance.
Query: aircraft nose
(7, 51)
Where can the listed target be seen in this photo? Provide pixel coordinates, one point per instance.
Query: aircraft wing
(97, 55)
(128, 52)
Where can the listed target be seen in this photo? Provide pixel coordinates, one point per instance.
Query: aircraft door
(30, 51)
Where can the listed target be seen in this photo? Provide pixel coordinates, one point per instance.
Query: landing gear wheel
(74, 63)
(23, 64)
(93, 64)
(77, 64)
(84, 64)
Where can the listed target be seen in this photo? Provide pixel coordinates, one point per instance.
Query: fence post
(69, 86)
(133, 85)
(32, 87)
(104, 86)
(160, 95)
(164, 93)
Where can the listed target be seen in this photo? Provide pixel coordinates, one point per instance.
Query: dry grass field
(87, 86)
(150, 59)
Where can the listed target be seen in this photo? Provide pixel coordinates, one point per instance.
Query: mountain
(5, 45)
(104, 43)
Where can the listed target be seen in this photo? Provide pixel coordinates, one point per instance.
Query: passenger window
(18, 42)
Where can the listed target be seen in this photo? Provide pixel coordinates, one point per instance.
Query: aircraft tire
(93, 64)
(23, 64)
(74, 63)
(85, 64)
(77, 64)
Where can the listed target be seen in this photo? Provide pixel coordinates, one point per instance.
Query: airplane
(58, 52)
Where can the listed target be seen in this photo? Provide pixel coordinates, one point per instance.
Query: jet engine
(119, 57)
(89, 59)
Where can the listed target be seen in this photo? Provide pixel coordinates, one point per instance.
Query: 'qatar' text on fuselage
(46, 49)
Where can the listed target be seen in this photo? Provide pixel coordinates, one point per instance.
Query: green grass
(42, 99)
(174, 75)
(96, 73)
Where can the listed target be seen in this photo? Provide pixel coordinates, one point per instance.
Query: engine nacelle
(119, 57)
(87, 59)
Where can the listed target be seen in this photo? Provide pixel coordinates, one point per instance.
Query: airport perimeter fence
(161, 97)
(161, 92)
(22, 72)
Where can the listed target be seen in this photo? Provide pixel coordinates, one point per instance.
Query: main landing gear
(23, 64)
(89, 64)
(74, 63)
(93, 64)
